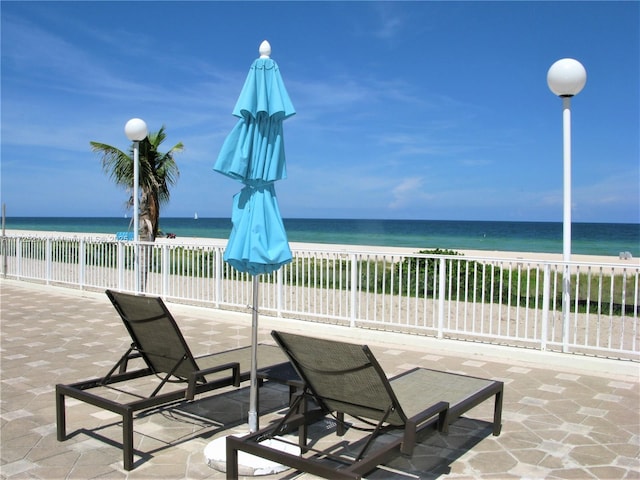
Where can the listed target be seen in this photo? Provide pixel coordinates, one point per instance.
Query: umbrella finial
(265, 49)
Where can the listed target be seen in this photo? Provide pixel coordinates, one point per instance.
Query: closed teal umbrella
(253, 153)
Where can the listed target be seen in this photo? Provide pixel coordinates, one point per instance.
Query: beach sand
(373, 249)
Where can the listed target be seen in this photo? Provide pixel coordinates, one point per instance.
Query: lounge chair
(347, 379)
(158, 343)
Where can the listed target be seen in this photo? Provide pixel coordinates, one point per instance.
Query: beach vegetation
(508, 284)
(158, 172)
(465, 281)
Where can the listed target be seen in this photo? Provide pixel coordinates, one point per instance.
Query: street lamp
(566, 78)
(136, 130)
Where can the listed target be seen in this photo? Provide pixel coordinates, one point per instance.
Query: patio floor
(565, 416)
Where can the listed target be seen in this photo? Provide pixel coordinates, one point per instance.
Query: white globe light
(566, 77)
(136, 130)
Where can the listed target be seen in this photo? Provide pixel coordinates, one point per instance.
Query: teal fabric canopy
(258, 241)
(264, 91)
(253, 153)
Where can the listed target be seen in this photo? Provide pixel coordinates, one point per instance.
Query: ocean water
(544, 237)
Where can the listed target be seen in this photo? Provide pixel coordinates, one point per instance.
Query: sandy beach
(312, 247)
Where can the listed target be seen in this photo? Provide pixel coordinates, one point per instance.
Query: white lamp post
(566, 78)
(136, 130)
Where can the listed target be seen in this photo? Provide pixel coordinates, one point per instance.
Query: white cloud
(407, 192)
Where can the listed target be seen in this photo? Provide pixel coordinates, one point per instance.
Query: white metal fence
(504, 301)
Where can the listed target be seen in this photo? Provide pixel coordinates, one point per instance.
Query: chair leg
(127, 440)
(408, 439)
(303, 430)
(497, 414)
(443, 422)
(340, 428)
(232, 460)
(61, 418)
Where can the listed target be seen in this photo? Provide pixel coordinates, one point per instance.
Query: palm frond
(158, 171)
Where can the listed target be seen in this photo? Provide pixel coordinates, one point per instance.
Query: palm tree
(158, 172)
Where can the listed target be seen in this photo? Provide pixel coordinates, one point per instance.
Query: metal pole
(253, 392)
(566, 130)
(566, 220)
(136, 219)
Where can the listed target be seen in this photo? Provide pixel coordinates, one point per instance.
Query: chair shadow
(432, 456)
(215, 414)
(204, 418)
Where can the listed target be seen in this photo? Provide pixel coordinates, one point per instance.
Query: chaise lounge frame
(347, 379)
(158, 341)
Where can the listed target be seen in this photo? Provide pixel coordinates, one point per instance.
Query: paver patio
(565, 416)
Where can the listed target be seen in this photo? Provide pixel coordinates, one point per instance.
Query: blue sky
(405, 110)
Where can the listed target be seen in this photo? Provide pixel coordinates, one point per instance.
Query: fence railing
(495, 300)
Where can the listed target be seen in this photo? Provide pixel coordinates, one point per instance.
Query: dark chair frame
(334, 382)
(173, 363)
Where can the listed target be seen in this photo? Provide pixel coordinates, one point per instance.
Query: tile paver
(564, 416)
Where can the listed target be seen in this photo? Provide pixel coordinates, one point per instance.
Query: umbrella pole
(253, 392)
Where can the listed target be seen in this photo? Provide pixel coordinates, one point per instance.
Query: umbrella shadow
(230, 409)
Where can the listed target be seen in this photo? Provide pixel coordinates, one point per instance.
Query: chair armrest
(412, 426)
(193, 377)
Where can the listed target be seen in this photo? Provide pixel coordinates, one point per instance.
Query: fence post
(165, 271)
(546, 295)
(18, 258)
(120, 262)
(354, 290)
(47, 261)
(4, 241)
(4, 256)
(136, 266)
(441, 295)
(279, 291)
(218, 276)
(81, 263)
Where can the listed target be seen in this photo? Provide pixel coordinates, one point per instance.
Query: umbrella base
(215, 454)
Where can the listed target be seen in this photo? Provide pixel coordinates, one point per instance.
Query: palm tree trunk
(146, 234)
